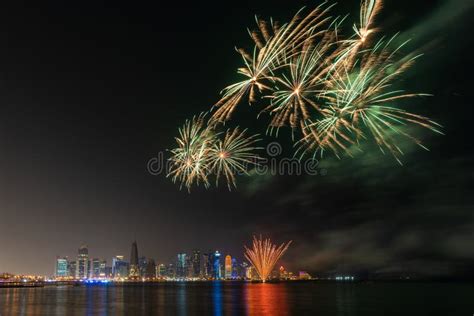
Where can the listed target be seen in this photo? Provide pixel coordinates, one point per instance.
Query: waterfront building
(134, 271)
(161, 271)
(171, 271)
(235, 269)
(243, 270)
(82, 263)
(216, 266)
(95, 268)
(150, 270)
(142, 264)
(196, 263)
(207, 265)
(181, 267)
(228, 267)
(119, 267)
(72, 268)
(103, 269)
(61, 269)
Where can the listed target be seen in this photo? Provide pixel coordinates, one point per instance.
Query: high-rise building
(161, 271)
(196, 263)
(61, 270)
(216, 266)
(181, 267)
(134, 271)
(103, 269)
(119, 267)
(207, 265)
(171, 271)
(150, 271)
(72, 268)
(95, 268)
(235, 269)
(142, 263)
(82, 263)
(228, 267)
(243, 270)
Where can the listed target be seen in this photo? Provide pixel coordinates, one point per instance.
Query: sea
(243, 298)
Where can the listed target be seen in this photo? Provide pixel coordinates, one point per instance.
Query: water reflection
(266, 299)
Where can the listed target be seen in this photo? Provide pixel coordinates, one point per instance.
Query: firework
(232, 155)
(360, 103)
(332, 91)
(202, 152)
(190, 160)
(264, 255)
(273, 44)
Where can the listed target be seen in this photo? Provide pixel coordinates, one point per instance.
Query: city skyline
(210, 265)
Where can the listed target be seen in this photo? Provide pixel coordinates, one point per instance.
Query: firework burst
(202, 152)
(233, 154)
(273, 45)
(360, 104)
(264, 255)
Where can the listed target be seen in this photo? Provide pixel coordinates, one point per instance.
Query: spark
(264, 255)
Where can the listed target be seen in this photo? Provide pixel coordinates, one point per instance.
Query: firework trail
(264, 255)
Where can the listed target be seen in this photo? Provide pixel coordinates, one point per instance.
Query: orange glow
(266, 299)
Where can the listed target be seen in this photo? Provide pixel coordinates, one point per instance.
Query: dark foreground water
(227, 298)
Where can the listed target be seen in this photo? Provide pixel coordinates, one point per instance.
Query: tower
(134, 268)
(82, 263)
(228, 267)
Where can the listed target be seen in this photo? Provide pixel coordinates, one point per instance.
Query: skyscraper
(119, 267)
(72, 264)
(142, 263)
(181, 267)
(82, 263)
(207, 265)
(134, 267)
(216, 266)
(228, 267)
(235, 269)
(95, 268)
(150, 270)
(103, 269)
(196, 263)
(61, 270)
(161, 271)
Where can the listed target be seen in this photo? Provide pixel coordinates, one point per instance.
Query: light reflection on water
(237, 298)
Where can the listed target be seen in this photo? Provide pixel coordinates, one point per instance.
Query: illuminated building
(82, 263)
(161, 270)
(95, 268)
(181, 267)
(196, 263)
(119, 267)
(103, 269)
(171, 271)
(142, 263)
(235, 269)
(303, 275)
(207, 265)
(61, 270)
(72, 268)
(216, 266)
(134, 271)
(243, 270)
(228, 267)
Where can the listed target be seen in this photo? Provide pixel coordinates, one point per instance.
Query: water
(234, 298)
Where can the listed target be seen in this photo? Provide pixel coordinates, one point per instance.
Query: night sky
(91, 90)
